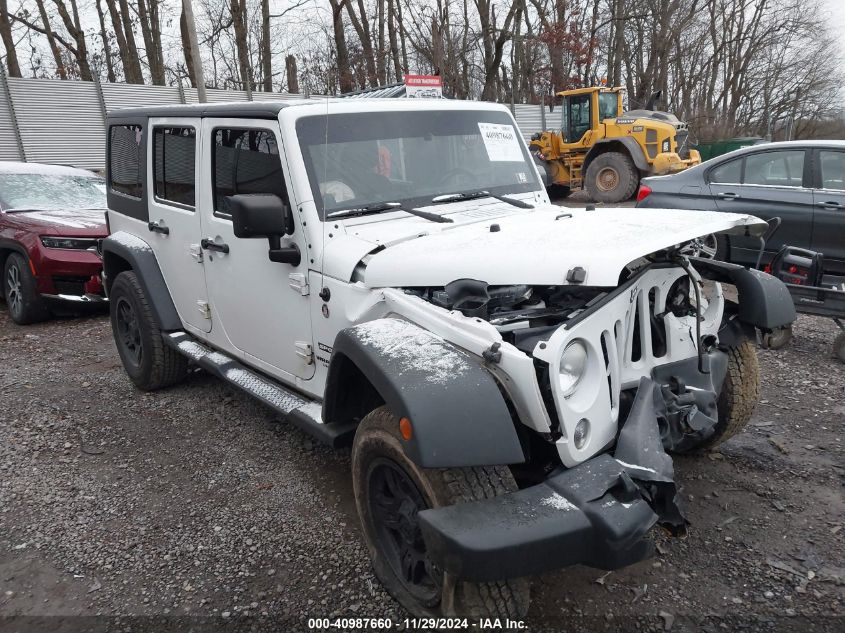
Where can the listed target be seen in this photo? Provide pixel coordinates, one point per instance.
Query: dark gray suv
(802, 182)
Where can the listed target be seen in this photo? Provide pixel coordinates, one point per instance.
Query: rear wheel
(21, 293)
(149, 363)
(611, 177)
(390, 491)
(839, 346)
(777, 338)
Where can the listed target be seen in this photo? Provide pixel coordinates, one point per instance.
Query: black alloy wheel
(129, 331)
(395, 503)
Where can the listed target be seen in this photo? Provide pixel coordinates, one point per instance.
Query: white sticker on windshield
(501, 142)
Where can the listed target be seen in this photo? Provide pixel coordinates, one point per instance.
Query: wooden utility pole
(188, 10)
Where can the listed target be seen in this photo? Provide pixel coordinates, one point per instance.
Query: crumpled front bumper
(597, 512)
(593, 514)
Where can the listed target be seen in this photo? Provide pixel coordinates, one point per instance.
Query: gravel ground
(197, 501)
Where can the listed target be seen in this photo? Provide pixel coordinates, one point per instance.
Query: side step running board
(305, 414)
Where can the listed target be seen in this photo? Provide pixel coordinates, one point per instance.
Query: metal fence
(63, 122)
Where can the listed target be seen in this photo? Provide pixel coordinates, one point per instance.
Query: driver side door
(260, 307)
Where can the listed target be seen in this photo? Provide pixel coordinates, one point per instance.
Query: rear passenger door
(829, 198)
(767, 184)
(261, 308)
(175, 225)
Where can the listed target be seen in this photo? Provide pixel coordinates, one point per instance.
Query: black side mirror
(260, 215)
(265, 215)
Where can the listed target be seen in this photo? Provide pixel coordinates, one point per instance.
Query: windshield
(409, 157)
(51, 191)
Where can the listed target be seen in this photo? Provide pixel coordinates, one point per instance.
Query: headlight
(666, 146)
(70, 243)
(573, 363)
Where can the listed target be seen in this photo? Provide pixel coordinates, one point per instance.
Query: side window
(727, 173)
(125, 160)
(174, 164)
(245, 161)
(579, 117)
(778, 169)
(832, 169)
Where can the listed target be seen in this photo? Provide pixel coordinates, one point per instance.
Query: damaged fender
(595, 513)
(764, 300)
(458, 415)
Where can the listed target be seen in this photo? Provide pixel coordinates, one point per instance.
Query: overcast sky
(836, 8)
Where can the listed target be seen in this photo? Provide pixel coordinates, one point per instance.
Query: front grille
(682, 139)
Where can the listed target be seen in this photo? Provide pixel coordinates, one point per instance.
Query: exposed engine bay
(525, 314)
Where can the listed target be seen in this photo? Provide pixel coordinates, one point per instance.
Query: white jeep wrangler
(391, 274)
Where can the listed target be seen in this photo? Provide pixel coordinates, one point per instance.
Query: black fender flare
(458, 415)
(764, 300)
(633, 148)
(124, 251)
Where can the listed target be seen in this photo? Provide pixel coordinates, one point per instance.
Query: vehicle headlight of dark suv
(70, 243)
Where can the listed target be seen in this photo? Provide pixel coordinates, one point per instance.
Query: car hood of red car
(65, 222)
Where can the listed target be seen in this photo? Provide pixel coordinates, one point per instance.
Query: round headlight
(573, 362)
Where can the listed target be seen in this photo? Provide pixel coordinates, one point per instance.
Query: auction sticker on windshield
(501, 142)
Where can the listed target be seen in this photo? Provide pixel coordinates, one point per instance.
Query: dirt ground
(195, 501)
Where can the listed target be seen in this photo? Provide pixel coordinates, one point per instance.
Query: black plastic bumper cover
(592, 514)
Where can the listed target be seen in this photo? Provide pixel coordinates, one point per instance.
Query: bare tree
(125, 37)
(238, 11)
(148, 15)
(104, 37)
(8, 41)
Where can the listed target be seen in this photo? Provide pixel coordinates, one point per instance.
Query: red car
(52, 219)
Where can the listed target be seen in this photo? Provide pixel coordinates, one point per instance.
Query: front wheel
(739, 395)
(21, 293)
(611, 177)
(390, 491)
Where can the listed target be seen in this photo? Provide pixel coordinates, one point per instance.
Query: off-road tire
(558, 192)
(378, 439)
(839, 346)
(627, 177)
(777, 338)
(739, 395)
(157, 365)
(21, 292)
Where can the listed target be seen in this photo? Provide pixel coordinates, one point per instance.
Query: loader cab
(584, 109)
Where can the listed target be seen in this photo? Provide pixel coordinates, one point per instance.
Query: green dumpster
(711, 149)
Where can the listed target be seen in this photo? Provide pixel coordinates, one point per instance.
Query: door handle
(728, 195)
(830, 204)
(157, 227)
(211, 245)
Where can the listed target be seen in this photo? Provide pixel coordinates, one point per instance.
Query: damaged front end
(598, 512)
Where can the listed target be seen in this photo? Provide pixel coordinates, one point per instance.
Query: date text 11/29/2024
(415, 624)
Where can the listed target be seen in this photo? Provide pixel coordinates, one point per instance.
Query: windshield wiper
(472, 195)
(386, 206)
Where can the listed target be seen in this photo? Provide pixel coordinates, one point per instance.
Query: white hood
(534, 247)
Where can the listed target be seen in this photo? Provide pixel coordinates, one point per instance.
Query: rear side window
(174, 164)
(833, 169)
(727, 173)
(125, 160)
(245, 161)
(775, 169)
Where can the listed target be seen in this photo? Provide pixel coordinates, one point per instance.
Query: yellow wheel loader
(605, 150)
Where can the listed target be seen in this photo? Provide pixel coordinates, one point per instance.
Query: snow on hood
(63, 218)
(531, 247)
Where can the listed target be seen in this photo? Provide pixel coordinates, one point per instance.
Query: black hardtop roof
(233, 109)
